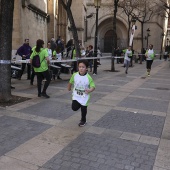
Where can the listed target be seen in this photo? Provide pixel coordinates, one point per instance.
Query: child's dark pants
(76, 105)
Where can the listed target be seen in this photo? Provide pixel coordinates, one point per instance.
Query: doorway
(108, 41)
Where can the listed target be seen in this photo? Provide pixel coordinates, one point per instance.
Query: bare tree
(67, 7)
(142, 10)
(6, 22)
(129, 7)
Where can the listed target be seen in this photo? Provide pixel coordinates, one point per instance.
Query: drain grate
(162, 88)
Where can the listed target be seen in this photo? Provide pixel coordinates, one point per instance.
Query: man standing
(118, 54)
(25, 51)
(69, 46)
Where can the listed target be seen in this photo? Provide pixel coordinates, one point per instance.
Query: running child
(83, 86)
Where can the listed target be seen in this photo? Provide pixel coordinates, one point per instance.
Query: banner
(132, 35)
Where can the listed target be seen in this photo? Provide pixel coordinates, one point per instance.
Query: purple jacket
(24, 50)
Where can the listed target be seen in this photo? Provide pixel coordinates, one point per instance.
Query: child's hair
(90, 46)
(85, 62)
(39, 45)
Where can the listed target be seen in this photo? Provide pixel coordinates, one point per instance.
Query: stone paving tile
(160, 94)
(2, 108)
(14, 132)
(154, 85)
(53, 89)
(104, 88)
(161, 76)
(114, 82)
(146, 104)
(50, 109)
(31, 90)
(123, 77)
(166, 81)
(95, 152)
(149, 125)
(7, 163)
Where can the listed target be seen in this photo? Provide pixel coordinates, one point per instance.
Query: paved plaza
(128, 124)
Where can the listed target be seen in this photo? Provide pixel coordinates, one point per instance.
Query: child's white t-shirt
(81, 83)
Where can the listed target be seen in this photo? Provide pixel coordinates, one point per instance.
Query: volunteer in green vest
(41, 72)
(150, 55)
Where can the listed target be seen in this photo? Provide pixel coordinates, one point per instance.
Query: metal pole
(95, 43)
(147, 41)
(161, 53)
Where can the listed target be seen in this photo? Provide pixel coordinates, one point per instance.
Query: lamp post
(97, 4)
(147, 37)
(134, 27)
(167, 43)
(162, 37)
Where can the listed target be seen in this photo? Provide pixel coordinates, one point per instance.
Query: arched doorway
(108, 40)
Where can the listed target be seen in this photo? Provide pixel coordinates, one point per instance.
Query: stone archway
(105, 35)
(108, 40)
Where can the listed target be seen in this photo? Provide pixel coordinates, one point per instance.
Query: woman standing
(150, 55)
(42, 71)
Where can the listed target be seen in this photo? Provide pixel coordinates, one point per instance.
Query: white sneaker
(94, 74)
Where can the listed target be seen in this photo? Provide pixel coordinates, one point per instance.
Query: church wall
(28, 24)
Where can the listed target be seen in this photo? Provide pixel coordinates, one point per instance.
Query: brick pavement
(128, 124)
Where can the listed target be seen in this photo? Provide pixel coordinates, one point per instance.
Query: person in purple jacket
(25, 51)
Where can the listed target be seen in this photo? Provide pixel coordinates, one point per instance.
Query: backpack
(36, 61)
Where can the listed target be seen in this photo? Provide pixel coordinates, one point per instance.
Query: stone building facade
(157, 26)
(40, 19)
(45, 19)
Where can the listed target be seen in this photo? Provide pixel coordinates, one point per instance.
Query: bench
(65, 68)
(15, 71)
(15, 67)
(53, 72)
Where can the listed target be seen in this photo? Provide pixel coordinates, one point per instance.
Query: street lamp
(167, 41)
(97, 4)
(162, 37)
(147, 37)
(134, 21)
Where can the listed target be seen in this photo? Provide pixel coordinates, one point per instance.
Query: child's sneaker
(81, 124)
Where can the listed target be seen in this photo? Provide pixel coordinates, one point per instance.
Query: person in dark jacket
(53, 44)
(118, 54)
(25, 51)
(90, 54)
(69, 46)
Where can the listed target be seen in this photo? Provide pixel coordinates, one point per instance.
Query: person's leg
(90, 65)
(149, 66)
(131, 61)
(75, 105)
(22, 70)
(39, 82)
(32, 76)
(83, 113)
(117, 60)
(58, 71)
(126, 65)
(28, 71)
(46, 75)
